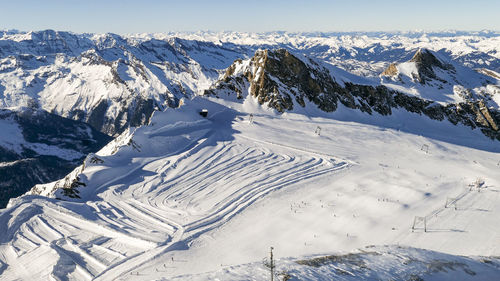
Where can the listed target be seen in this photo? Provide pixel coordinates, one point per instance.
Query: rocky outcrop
(425, 63)
(283, 81)
(391, 70)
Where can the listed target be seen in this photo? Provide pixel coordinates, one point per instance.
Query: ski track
(142, 207)
(250, 172)
(198, 190)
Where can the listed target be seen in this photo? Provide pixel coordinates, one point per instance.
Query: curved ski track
(178, 198)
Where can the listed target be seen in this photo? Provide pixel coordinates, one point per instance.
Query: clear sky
(126, 16)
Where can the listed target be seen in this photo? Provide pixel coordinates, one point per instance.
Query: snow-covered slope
(288, 82)
(187, 195)
(296, 152)
(433, 77)
(106, 80)
(39, 147)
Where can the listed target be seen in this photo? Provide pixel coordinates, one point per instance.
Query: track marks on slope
(217, 182)
(205, 187)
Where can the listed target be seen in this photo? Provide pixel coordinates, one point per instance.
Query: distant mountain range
(186, 156)
(112, 82)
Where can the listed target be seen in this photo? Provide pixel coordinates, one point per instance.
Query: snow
(370, 263)
(203, 198)
(193, 198)
(453, 85)
(12, 139)
(11, 135)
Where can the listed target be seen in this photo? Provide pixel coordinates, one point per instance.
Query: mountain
(112, 81)
(107, 81)
(421, 67)
(280, 80)
(39, 147)
(187, 193)
(433, 77)
(283, 81)
(227, 144)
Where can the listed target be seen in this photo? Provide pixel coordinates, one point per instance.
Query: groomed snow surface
(193, 198)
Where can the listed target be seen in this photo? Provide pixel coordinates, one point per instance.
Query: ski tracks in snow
(160, 205)
(212, 184)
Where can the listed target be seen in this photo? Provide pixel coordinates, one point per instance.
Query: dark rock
(281, 80)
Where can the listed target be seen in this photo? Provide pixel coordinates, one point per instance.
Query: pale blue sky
(126, 16)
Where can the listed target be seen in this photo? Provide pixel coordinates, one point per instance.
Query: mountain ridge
(282, 81)
(225, 148)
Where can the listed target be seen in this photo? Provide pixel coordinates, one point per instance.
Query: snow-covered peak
(420, 68)
(434, 76)
(108, 81)
(332, 160)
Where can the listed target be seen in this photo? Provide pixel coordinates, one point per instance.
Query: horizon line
(412, 31)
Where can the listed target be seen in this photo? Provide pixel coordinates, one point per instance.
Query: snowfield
(345, 195)
(193, 198)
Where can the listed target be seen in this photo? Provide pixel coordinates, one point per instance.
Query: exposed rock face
(425, 61)
(485, 117)
(282, 81)
(47, 148)
(391, 70)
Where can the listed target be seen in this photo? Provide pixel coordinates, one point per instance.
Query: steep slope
(430, 76)
(294, 153)
(107, 81)
(188, 194)
(285, 82)
(38, 147)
